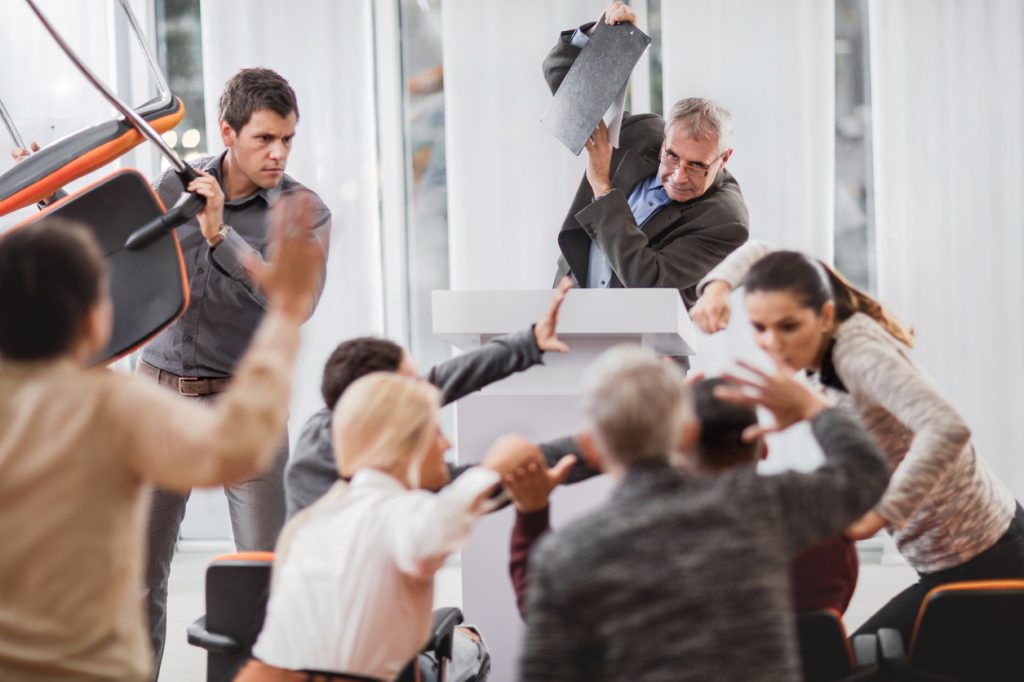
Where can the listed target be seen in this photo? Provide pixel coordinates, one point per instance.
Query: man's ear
(726, 155)
(690, 435)
(762, 449)
(227, 134)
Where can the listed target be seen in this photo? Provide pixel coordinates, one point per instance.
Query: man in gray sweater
(684, 576)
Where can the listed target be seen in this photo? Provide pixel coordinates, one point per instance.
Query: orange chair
(969, 631)
(826, 655)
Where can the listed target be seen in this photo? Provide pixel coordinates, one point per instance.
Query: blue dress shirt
(647, 198)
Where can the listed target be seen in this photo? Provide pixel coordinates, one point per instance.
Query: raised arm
(570, 42)
(820, 504)
(502, 356)
(426, 527)
(179, 444)
(711, 312)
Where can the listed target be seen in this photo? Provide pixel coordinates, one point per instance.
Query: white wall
(949, 167)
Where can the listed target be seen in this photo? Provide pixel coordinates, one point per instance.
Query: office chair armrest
(213, 642)
(865, 651)
(445, 621)
(890, 643)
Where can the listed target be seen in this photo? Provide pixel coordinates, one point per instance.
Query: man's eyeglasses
(692, 169)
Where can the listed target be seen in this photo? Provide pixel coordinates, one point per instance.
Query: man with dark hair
(80, 445)
(661, 210)
(313, 470)
(59, 273)
(196, 356)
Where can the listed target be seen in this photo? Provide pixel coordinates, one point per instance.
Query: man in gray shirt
(683, 575)
(197, 354)
(313, 469)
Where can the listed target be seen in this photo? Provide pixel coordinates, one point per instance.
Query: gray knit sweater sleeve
(878, 372)
(822, 503)
(736, 265)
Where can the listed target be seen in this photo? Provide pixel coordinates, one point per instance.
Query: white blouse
(354, 594)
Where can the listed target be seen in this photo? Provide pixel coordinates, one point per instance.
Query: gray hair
(702, 119)
(636, 405)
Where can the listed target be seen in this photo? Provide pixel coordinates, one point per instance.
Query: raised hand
(711, 311)
(530, 485)
(545, 332)
(787, 399)
(599, 162)
(617, 13)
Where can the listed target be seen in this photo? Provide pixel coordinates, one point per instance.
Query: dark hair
(250, 90)
(354, 359)
(721, 443)
(51, 274)
(814, 283)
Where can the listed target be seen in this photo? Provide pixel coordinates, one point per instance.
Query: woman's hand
(787, 399)
(866, 526)
(711, 311)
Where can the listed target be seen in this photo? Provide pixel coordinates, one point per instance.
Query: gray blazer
(678, 245)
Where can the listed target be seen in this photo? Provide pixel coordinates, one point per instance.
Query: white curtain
(772, 64)
(510, 182)
(948, 107)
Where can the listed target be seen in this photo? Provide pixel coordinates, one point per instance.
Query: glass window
(426, 176)
(854, 227)
(180, 53)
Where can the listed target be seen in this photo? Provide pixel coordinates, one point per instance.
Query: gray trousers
(257, 509)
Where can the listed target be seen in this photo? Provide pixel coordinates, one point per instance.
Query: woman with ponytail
(951, 519)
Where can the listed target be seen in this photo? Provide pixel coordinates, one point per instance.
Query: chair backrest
(824, 650)
(972, 630)
(237, 588)
(149, 287)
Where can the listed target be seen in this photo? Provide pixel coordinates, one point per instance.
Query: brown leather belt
(189, 386)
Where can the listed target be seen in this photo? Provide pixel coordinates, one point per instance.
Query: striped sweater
(944, 506)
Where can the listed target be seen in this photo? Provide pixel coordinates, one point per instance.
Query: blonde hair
(383, 421)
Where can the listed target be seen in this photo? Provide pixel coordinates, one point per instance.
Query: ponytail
(849, 300)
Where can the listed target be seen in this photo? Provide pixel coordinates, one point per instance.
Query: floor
(184, 663)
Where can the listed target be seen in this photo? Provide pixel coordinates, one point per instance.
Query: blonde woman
(353, 583)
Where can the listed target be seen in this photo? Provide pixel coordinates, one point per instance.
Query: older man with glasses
(659, 211)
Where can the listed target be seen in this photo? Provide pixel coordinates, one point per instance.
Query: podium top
(654, 317)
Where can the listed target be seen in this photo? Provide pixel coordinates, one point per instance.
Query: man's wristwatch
(220, 236)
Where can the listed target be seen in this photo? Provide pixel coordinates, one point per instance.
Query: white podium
(541, 403)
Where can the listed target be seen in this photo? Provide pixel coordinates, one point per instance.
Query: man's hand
(20, 153)
(291, 278)
(530, 485)
(787, 399)
(509, 453)
(599, 149)
(211, 218)
(866, 526)
(588, 451)
(615, 13)
(711, 311)
(545, 332)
